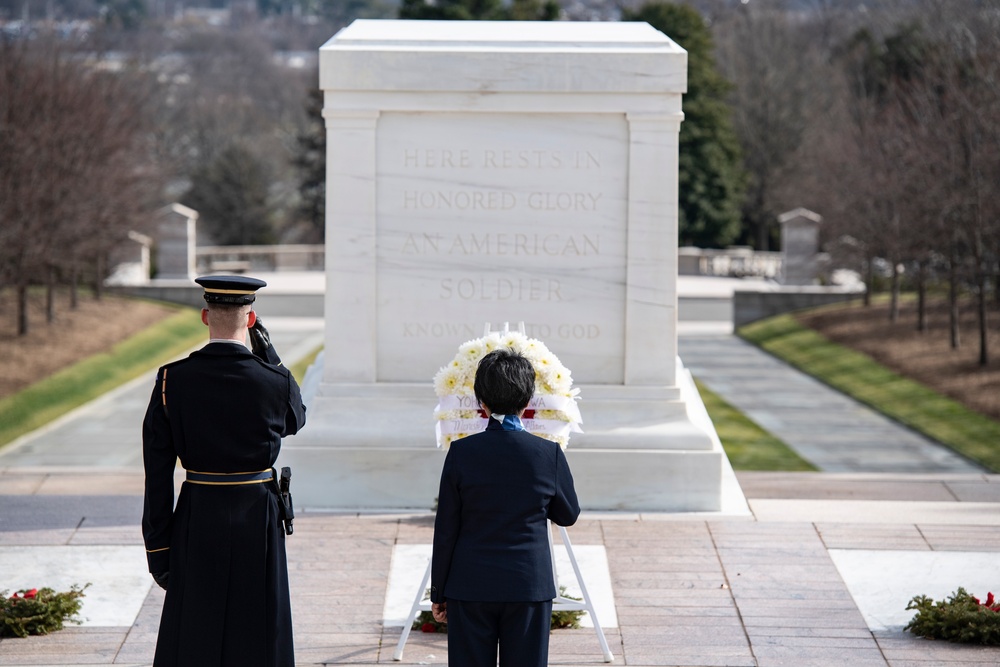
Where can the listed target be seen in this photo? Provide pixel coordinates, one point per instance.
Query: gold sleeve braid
(163, 389)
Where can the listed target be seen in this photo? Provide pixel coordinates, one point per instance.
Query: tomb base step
(643, 449)
(360, 478)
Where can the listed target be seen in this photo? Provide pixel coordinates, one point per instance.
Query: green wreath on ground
(961, 618)
(38, 611)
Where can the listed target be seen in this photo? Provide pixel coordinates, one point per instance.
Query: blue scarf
(509, 422)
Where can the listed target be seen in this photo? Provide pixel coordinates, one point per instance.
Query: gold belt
(230, 478)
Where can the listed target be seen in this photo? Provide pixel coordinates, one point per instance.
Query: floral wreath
(552, 412)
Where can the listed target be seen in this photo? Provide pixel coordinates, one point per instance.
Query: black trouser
(519, 629)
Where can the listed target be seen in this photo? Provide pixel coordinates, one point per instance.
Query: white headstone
(175, 242)
(130, 261)
(799, 246)
(491, 172)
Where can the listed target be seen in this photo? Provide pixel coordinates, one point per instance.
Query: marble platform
(343, 462)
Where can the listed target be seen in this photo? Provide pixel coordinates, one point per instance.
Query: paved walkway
(830, 430)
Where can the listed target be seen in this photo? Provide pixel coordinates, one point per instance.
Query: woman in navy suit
(491, 573)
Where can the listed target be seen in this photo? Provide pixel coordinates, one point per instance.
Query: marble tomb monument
(490, 172)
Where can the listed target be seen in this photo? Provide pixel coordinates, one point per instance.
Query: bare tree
(776, 88)
(955, 105)
(222, 86)
(917, 159)
(72, 177)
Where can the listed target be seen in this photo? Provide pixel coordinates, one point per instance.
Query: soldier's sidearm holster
(283, 483)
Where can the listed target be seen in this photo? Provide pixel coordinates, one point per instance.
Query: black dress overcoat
(498, 489)
(221, 410)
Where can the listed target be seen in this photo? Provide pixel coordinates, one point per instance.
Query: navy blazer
(490, 535)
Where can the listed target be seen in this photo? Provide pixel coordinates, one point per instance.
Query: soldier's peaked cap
(233, 290)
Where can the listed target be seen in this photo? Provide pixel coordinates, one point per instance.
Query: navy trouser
(519, 629)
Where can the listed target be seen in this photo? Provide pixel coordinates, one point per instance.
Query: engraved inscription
(563, 201)
(501, 289)
(450, 330)
(528, 245)
(430, 158)
(501, 217)
(542, 331)
(495, 200)
(499, 158)
(458, 200)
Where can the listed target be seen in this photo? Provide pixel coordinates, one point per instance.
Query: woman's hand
(439, 610)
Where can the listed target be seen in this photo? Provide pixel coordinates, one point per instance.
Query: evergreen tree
(480, 10)
(533, 10)
(711, 178)
(343, 12)
(231, 195)
(310, 161)
(124, 14)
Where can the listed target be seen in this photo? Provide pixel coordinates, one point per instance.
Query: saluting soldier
(220, 554)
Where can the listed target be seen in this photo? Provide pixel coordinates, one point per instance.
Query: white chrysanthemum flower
(457, 376)
(532, 349)
(438, 378)
(560, 380)
(512, 340)
(546, 361)
(491, 342)
(446, 382)
(473, 350)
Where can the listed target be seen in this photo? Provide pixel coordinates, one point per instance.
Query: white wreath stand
(560, 603)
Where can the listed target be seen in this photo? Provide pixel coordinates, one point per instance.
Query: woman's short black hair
(505, 382)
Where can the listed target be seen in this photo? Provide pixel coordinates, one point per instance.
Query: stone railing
(737, 262)
(243, 258)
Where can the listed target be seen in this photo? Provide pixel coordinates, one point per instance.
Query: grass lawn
(71, 387)
(748, 446)
(969, 433)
